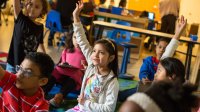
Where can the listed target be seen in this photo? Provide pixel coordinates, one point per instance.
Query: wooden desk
(141, 22)
(102, 25)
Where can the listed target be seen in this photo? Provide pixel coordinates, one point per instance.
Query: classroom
(99, 55)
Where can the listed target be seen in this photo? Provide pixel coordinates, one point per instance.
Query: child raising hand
(100, 87)
(28, 34)
(163, 50)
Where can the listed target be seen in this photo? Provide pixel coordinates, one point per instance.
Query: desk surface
(143, 31)
(143, 21)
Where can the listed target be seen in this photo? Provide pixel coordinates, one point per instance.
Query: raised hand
(182, 22)
(76, 12)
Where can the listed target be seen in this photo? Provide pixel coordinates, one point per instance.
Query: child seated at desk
(22, 91)
(125, 12)
(150, 64)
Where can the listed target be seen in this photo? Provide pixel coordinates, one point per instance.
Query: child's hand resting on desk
(79, 7)
(182, 22)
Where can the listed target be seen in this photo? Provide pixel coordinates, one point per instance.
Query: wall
(190, 9)
(148, 5)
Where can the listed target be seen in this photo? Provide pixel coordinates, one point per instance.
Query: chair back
(53, 21)
(120, 36)
(103, 9)
(116, 10)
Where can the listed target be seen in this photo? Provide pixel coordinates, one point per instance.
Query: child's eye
(28, 73)
(93, 51)
(102, 52)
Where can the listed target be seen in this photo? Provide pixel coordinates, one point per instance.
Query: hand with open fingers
(81, 99)
(145, 80)
(76, 12)
(182, 22)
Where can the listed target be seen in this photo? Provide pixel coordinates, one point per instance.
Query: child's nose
(97, 54)
(163, 49)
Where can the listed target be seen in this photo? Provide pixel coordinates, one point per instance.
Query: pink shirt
(73, 58)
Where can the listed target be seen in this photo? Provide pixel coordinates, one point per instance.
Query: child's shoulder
(149, 59)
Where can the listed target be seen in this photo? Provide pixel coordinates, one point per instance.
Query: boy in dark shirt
(27, 34)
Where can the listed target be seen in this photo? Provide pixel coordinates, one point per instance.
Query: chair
(116, 10)
(2, 6)
(101, 9)
(123, 39)
(53, 23)
(101, 18)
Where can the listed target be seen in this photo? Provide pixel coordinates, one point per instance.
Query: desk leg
(123, 69)
(124, 61)
(188, 60)
(187, 55)
(99, 33)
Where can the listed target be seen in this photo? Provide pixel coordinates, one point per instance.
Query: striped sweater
(13, 100)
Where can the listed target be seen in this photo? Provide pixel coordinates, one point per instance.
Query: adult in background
(169, 11)
(65, 7)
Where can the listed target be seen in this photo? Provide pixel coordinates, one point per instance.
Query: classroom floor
(133, 66)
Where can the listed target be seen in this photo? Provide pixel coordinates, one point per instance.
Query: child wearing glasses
(22, 92)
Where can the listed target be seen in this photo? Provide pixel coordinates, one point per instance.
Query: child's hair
(175, 67)
(163, 39)
(102, 1)
(44, 8)
(173, 96)
(44, 62)
(166, 96)
(68, 41)
(111, 47)
(122, 3)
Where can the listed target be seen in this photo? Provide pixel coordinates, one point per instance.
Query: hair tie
(145, 102)
(109, 41)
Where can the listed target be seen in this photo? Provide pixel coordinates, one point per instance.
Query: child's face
(28, 75)
(34, 9)
(75, 42)
(100, 56)
(160, 73)
(160, 48)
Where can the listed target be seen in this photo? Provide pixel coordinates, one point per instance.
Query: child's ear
(111, 58)
(43, 81)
